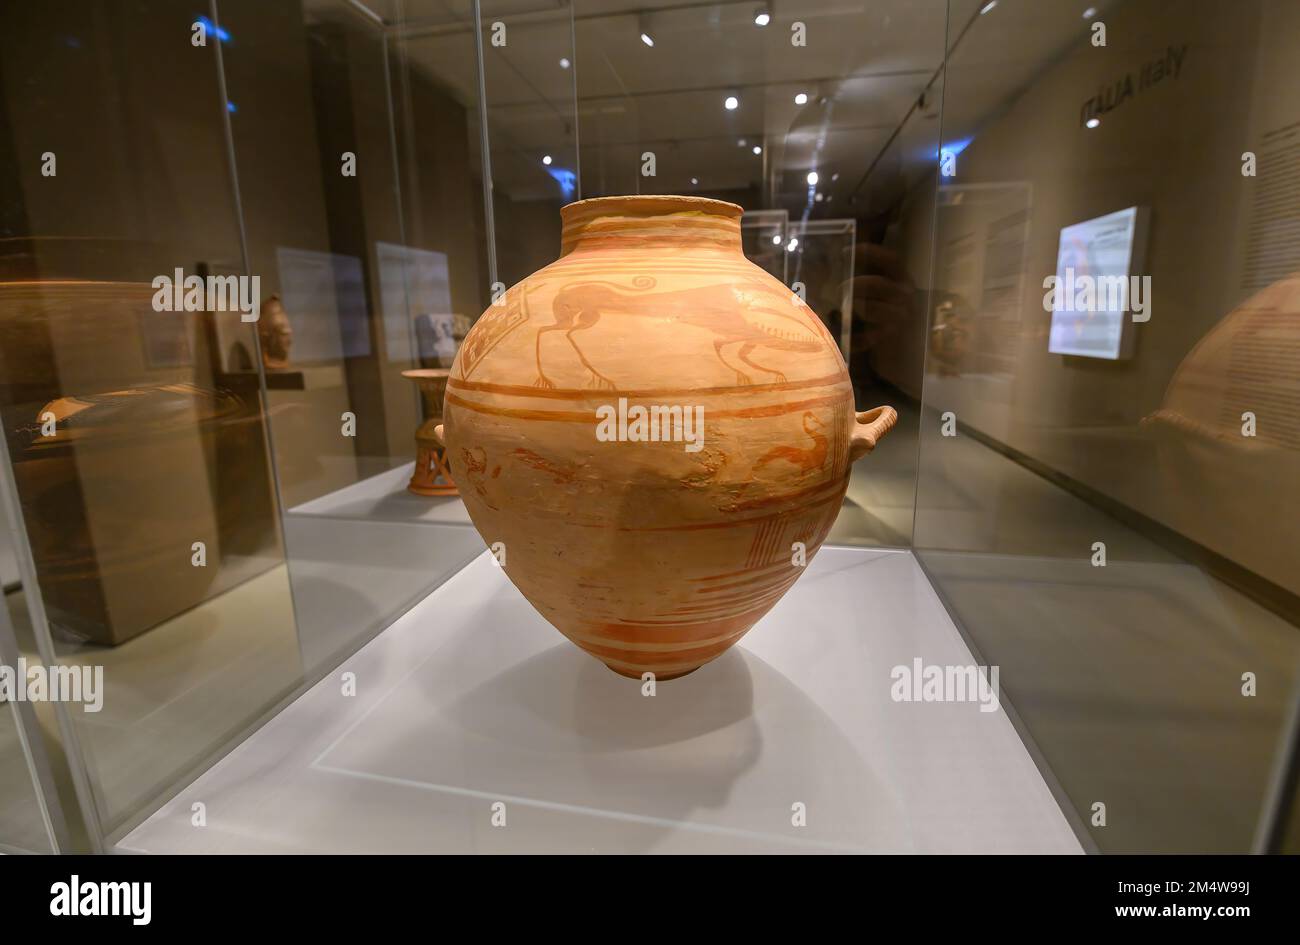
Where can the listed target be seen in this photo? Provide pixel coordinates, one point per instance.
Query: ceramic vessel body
(652, 556)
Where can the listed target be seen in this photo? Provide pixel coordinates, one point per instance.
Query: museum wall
(1175, 147)
(902, 254)
(273, 129)
(152, 495)
(440, 176)
(308, 89)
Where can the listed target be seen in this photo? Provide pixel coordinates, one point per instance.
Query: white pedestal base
(471, 699)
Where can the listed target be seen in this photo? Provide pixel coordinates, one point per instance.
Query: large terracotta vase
(654, 555)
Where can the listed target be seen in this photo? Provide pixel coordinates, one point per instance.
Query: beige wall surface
(1175, 147)
(307, 89)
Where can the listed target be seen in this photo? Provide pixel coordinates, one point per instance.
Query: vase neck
(635, 222)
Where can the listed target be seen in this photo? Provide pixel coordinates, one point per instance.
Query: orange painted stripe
(634, 267)
(519, 390)
(841, 485)
(604, 241)
(558, 416)
(680, 629)
(756, 572)
(744, 587)
(752, 594)
(726, 608)
(697, 631)
(655, 646)
(734, 522)
(588, 231)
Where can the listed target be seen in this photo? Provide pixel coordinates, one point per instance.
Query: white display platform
(384, 498)
(470, 700)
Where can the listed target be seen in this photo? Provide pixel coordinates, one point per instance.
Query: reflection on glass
(24, 827)
(814, 143)
(138, 447)
(1109, 449)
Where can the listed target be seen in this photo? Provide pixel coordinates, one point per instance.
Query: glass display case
(324, 329)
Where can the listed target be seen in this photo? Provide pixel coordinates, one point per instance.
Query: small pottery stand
(432, 475)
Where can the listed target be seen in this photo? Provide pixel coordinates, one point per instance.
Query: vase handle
(438, 435)
(870, 427)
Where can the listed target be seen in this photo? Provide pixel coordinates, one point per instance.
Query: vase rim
(651, 205)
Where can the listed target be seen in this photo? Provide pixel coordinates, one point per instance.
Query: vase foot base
(659, 677)
(432, 475)
(432, 490)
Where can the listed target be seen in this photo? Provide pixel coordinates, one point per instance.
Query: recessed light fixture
(695, 180)
(1089, 13)
(819, 198)
(757, 149)
(645, 38)
(776, 240)
(546, 159)
(1093, 122)
(835, 176)
(731, 103)
(564, 62)
(643, 27)
(791, 246)
(812, 178)
(762, 16)
(801, 98)
(988, 6)
(742, 143)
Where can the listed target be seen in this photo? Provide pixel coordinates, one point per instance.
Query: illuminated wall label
(1098, 282)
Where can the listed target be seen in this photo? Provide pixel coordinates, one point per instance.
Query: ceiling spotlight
(801, 98)
(564, 62)
(835, 176)
(819, 198)
(645, 38)
(757, 149)
(742, 143)
(791, 246)
(1093, 122)
(695, 180)
(643, 27)
(988, 6)
(546, 159)
(762, 17)
(731, 103)
(776, 240)
(1089, 13)
(812, 178)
